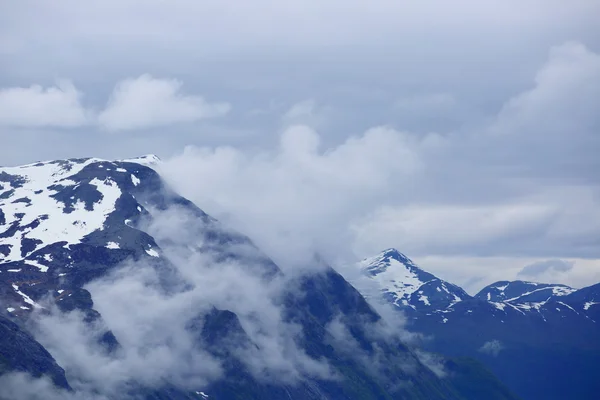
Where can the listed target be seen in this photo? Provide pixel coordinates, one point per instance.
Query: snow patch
(152, 252)
(41, 267)
(396, 278)
(26, 298)
(54, 225)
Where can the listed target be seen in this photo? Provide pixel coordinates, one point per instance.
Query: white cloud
(147, 102)
(493, 347)
(564, 96)
(298, 193)
(473, 193)
(36, 106)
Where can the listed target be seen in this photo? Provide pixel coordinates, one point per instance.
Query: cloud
(564, 97)
(149, 310)
(479, 192)
(540, 267)
(432, 361)
(18, 385)
(298, 193)
(141, 103)
(493, 348)
(146, 102)
(36, 106)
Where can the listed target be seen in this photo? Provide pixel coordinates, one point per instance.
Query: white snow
(489, 296)
(149, 160)
(587, 305)
(10, 309)
(60, 291)
(424, 299)
(499, 306)
(41, 267)
(26, 298)
(204, 395)
(444, 320)
(14, 270)
(516, 308)
(568, 306)
(121, 170)
(501, 288)
(135, 180)
(152, 253)
(112, 245)
(562, 291)
(48, 257)
(556, 291)
(59, 226)
(396, 278)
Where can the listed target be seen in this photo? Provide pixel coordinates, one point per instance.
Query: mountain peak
(387, 258)
(405, 284)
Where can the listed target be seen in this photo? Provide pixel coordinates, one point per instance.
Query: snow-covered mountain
(406, 285)
(511, 326)
(68, 224)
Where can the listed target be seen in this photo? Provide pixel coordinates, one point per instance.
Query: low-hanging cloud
(150, 309)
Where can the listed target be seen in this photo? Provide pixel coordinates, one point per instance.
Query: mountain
(542, 340)
(196, 309)
(406, 285)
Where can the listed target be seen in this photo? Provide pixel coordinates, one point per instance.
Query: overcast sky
(464, 133)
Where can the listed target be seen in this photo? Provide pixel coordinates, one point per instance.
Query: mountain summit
(405, 284)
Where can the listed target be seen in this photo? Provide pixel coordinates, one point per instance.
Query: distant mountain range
(69, 223)
(542, 340)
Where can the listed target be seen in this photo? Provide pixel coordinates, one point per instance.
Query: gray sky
(464, 133)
